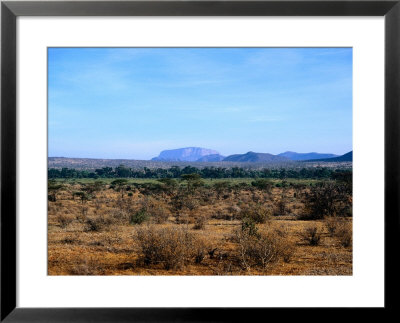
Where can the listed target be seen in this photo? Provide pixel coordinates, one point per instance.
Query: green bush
(262, 184)
(249, 227)
(138, 217)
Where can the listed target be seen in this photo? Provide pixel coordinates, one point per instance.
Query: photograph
(199, 161)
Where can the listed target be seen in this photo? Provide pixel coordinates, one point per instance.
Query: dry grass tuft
(311, 235)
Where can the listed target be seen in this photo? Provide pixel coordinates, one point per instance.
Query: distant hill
(211, 158)
(305, 156)
(255, 157)
(348, 157)
(185, 154)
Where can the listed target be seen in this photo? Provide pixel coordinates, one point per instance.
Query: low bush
(345, 235)
(200, 249)
(346, 239)
(64, 220)
(233, 211)
(138, 217)
(159, 214)
(93, 224)
(157, 210)
(200, 223)
(283, 230)
(249, 227)
(262, 249)
(281, 207)
(334, 224)
(256, 213)
(263, 184)
(311, 235)
(170, 247)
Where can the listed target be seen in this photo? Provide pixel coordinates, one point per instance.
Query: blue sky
(135, 102)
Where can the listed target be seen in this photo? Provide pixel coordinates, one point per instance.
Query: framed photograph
(197, 160)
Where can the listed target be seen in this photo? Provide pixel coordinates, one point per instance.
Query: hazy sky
(134, 102)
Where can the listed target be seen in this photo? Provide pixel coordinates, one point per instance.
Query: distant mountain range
(198, 154)
(305, 156)
(348, 157)
(252, 157)
(211, 158)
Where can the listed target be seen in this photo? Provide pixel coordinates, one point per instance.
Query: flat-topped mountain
(305, 156)
(255, 157)
(185, 154)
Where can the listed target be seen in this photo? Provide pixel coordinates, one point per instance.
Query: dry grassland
(111, 230)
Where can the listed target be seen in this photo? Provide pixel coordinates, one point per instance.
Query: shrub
(325, 199)
(156, 209)
(184, 201)
(169, 184)
(311, 235)
(170, 247)
(256, 213)
(138, 217)
(234, 212)
(86, 267)
(64, 220)
(333, 225)
(263, 184)
(281, 207)
(283, 230)
(94, 224)
(159, 213)
(200, 250)
(200, 223)
(249, 227)
(348, 211)
(221, 214)
(286, 250)
(82, 195)
(262, 249)
(221, 188)
(346, 239)
(345, 234)
(119, 215)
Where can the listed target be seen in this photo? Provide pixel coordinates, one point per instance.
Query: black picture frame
(10, 10)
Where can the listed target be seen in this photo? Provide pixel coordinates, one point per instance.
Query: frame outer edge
(203, 8)
(392, 151)
(8, 161)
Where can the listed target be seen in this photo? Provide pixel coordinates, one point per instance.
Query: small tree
(52, 189)
(169, 184)
(192, 181)
(82, 195)
(322, 201)
(263, 184)
(120, 185)
(93, 187)
(222, 187)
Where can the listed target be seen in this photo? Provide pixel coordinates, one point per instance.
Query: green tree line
(206, 172)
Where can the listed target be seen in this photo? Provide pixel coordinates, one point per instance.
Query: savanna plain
(200, 226)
